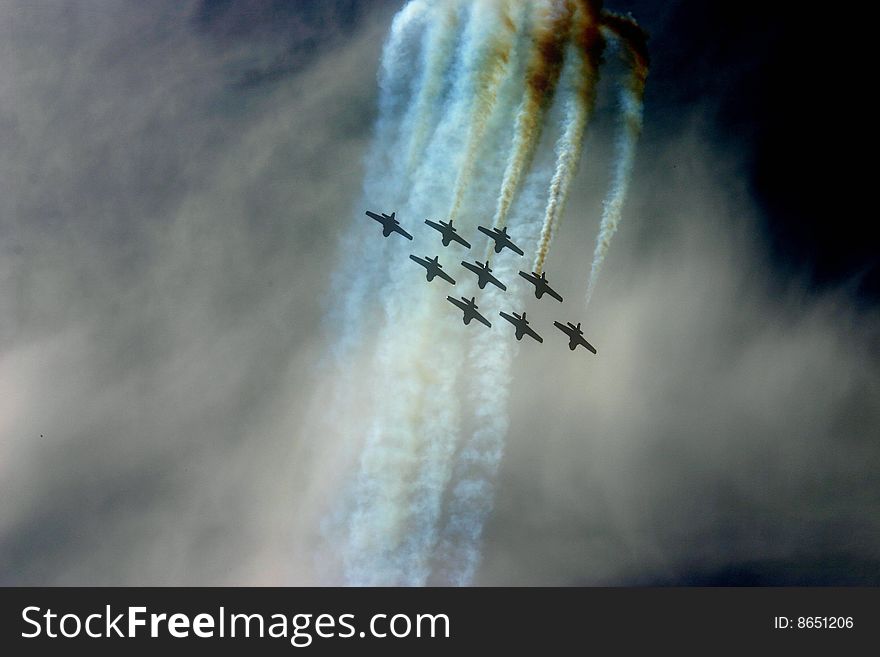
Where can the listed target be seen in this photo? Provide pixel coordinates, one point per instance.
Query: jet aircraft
(448, 231)
(484, 274)
(522, 326)
(575, 336)
(501, 238)
(389, 224)
(541, 285)
(470, 310)
(433, 267)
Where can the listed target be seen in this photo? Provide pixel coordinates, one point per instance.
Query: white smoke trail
(626, 35)
(477, 462)
(568, 152)
(612, 207)
(439, 48)
(434, 419)
(551, 24)
(579, 79)
(497, 34)
(379, 502)
(358, 276)
(472, 494)
(492, 352)
(376, 553)
(396, 85)
(485, 58)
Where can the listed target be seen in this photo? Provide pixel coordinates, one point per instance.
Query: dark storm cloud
(174, 180)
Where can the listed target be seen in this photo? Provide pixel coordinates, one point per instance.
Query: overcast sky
(174, 182)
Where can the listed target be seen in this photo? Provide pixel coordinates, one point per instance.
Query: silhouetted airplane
(522, 326)
(434, 268)
(501, 238)
(389, 224)
(470, 310)
(484, 274)
(448, 231)
(541, 285)
(575, 336)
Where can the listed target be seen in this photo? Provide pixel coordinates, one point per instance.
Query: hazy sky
(174, 182)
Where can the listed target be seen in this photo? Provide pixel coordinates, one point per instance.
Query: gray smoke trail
(630, 38)
(612, 207)
(434, 419)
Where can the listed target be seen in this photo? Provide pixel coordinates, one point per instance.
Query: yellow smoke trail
(552, 23)
(587, 46)
(633, 42)
(439, 51)
(491, 72)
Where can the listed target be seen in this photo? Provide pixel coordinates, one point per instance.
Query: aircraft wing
(397, 229)
(587, 344)
(513, 247)
(472, 267)
(458, 238)
(574, 338)
(553, 293)
(495, 281)
(480, 318)
(509, 318)
(460, 304)
(446, 277)
(528, 331)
